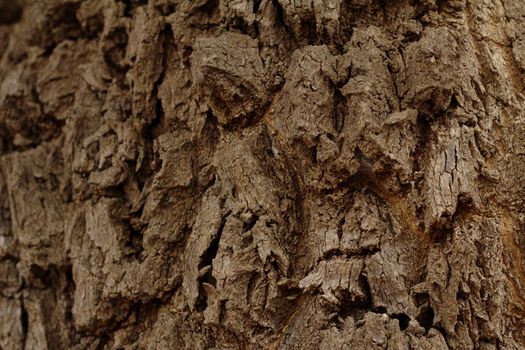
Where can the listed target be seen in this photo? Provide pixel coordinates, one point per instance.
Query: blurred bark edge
(10, 11)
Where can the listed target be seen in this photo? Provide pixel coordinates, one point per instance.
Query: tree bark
(275, 174)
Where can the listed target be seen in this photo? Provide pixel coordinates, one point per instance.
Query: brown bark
(275, 174)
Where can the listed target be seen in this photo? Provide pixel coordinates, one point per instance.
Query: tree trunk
(275, 174)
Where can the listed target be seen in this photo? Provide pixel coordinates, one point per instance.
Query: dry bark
(275, 174)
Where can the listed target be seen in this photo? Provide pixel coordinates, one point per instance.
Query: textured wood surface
(275, 174)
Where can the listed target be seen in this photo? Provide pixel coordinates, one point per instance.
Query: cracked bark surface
(272, 174)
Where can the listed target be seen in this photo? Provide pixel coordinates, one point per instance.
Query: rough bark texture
(275, 174)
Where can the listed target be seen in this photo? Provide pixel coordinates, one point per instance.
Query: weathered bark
(275, 174)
